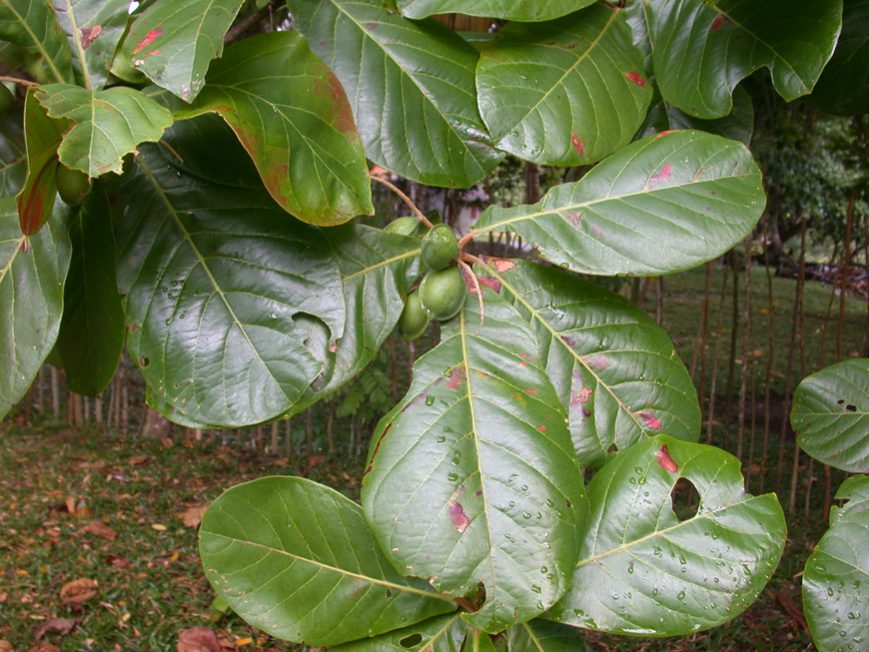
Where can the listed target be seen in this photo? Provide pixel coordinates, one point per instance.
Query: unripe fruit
(403, 226)
(442, 293)
(440, 248)
(414, 320)
(72, 185)
(6, 99)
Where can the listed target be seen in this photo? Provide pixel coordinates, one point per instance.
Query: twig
(407, 200)
(247, 23)
(476, 283)
(18, 80)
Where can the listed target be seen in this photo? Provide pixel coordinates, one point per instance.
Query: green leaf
(411, 86)
(293, 118)
(565, 93)
(830, 415)
(477, 641)
(519, 10)
(844, 85)
(377, 269)
(173, 43)
(643, 570)
(543, 636)
(738, 125)
(43, 136)
(614, 368)
(93, 29)
(31, 24)
(661, 205)
(855, 490)
(297, 560)
(32, 272)
(92, 329)
(105, 125)
(13, 155)
(221, 288)
(702, 50)
(439, 634)
(472, 476)
(835, 589)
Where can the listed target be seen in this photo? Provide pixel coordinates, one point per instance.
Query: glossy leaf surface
(544, 636)
(702, 50)
(31, 24)
(844, 85)
(830, 415)
(13, 156)
(737, 125)
(614, 368)
(472, 476)
(220, 285)
(31, 293)
(439, 634)
(173, 42)
(835, 589)
(518, 10)
(660, 205)
(92, 329)
(567, 92)
(93, 29)
(642, 570)
(105, 125)
(297, 560)
(411, 86)
(291, 115)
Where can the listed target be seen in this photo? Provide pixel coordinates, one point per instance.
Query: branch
(407, 200)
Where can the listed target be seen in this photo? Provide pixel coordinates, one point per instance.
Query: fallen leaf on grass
(198, 639)
(78, 591)
(100, 529)
(62, 626)
(44, 647)
(138, 460)
(192, 516)
(6, 646)
(158, 526)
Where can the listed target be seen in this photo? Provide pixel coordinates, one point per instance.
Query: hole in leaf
(851, 408)
(685, 499)
(143, 361)
(411, 641)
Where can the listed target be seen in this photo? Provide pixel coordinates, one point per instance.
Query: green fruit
(404, 226)
(6, 99)
(440, 248)
(442, 293)
(72, 185)
(414, 320)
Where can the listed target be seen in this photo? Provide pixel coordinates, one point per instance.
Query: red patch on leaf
(581, 397)
(663, 175)
(577, 143)
(458, 516)
(490, 282)
(719, 22)
(650, 420)
(667, 463)
(502, 265)
(666, 132)
(30, 205)
(89, 35)
(531, 391)
(457, 377)
(150, 37)
(636, 77)
(541, 428)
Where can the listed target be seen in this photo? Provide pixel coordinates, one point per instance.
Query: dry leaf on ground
(6, 646)
(100, 529)
(198, 639)
(44, 647)
(62, 626)
(138, 460)
(192, 516)
(78, 591)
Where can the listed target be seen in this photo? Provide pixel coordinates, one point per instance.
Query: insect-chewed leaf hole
(685, 499)
(411, 641)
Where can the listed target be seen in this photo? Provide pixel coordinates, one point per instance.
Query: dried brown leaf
(100, 529)
(78, 591)
(44, 647)
(192, 516)
(198, 639)
(6, 646)
(62, 626)
(138, 460)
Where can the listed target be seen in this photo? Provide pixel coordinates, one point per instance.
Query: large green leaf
(93, 29)
(32, 272)
(411, 86)
(221, 286)
(643, 570)
(438, 634)
(704, 48)
(472, 476)
(544, 636)
(92, 329)
(855, 490)
(293, 118)
(31, 24)
(660, 205)
(830, 415)
(174, 42)
(844, 84)
(615, 370)
(519, 10)
(13, 154)
(836, 578)
(565, 93)
(37, 195)
(297, 560)
(105, 125)
(737, 125)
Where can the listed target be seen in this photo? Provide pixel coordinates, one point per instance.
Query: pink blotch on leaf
(598, 362)
(458, 516)
(574, 217)
(650, 420)
(666, 132)
(636, 77)
(577, 143)
(581, 397)
(666, 462)
(149, 38)
(719, 22)
(663, 175)
(503, 265)
(490, 282)
(457, 377)
(541, 428)
(89, 35)
(531, 391)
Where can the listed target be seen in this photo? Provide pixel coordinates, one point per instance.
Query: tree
(218, 244)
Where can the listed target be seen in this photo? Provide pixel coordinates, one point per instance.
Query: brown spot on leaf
(577, 143)
(652, 422)
(502, 265)
(89, 35)
(458, 516)
(636, 77)
(490, 282)
(149, 38)
(665, 461)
